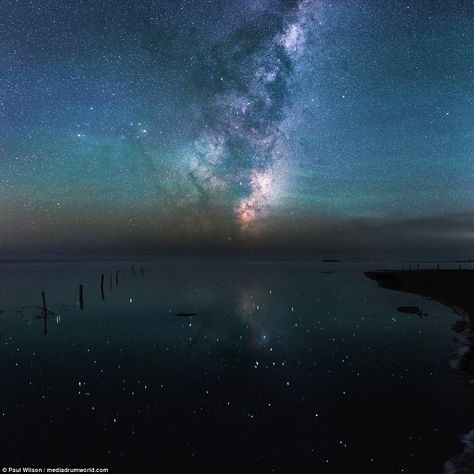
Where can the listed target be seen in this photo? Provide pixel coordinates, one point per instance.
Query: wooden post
(45, 314)
(81, 296)
(102, 286)
(116, 278)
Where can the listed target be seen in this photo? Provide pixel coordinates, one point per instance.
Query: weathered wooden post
(102, 286)
(81, 296)
(45, 314)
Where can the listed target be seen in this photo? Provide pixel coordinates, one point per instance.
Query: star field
(233, 125)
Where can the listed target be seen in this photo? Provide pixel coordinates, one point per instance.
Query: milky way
(242, 149)
(276, 125)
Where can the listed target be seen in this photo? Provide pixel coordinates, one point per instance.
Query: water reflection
(291, 367)
(32, 313)
(252, 305)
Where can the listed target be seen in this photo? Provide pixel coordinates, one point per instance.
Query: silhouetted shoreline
(453, 288)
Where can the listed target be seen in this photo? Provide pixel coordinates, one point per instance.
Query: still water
(287, 367)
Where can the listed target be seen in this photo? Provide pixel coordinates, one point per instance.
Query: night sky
(236, 126)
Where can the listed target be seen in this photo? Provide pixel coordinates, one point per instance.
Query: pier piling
(81, 296)
(45, 314)
(102, 286)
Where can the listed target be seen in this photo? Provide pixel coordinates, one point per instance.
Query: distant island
(453, 288)
(330, 260)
